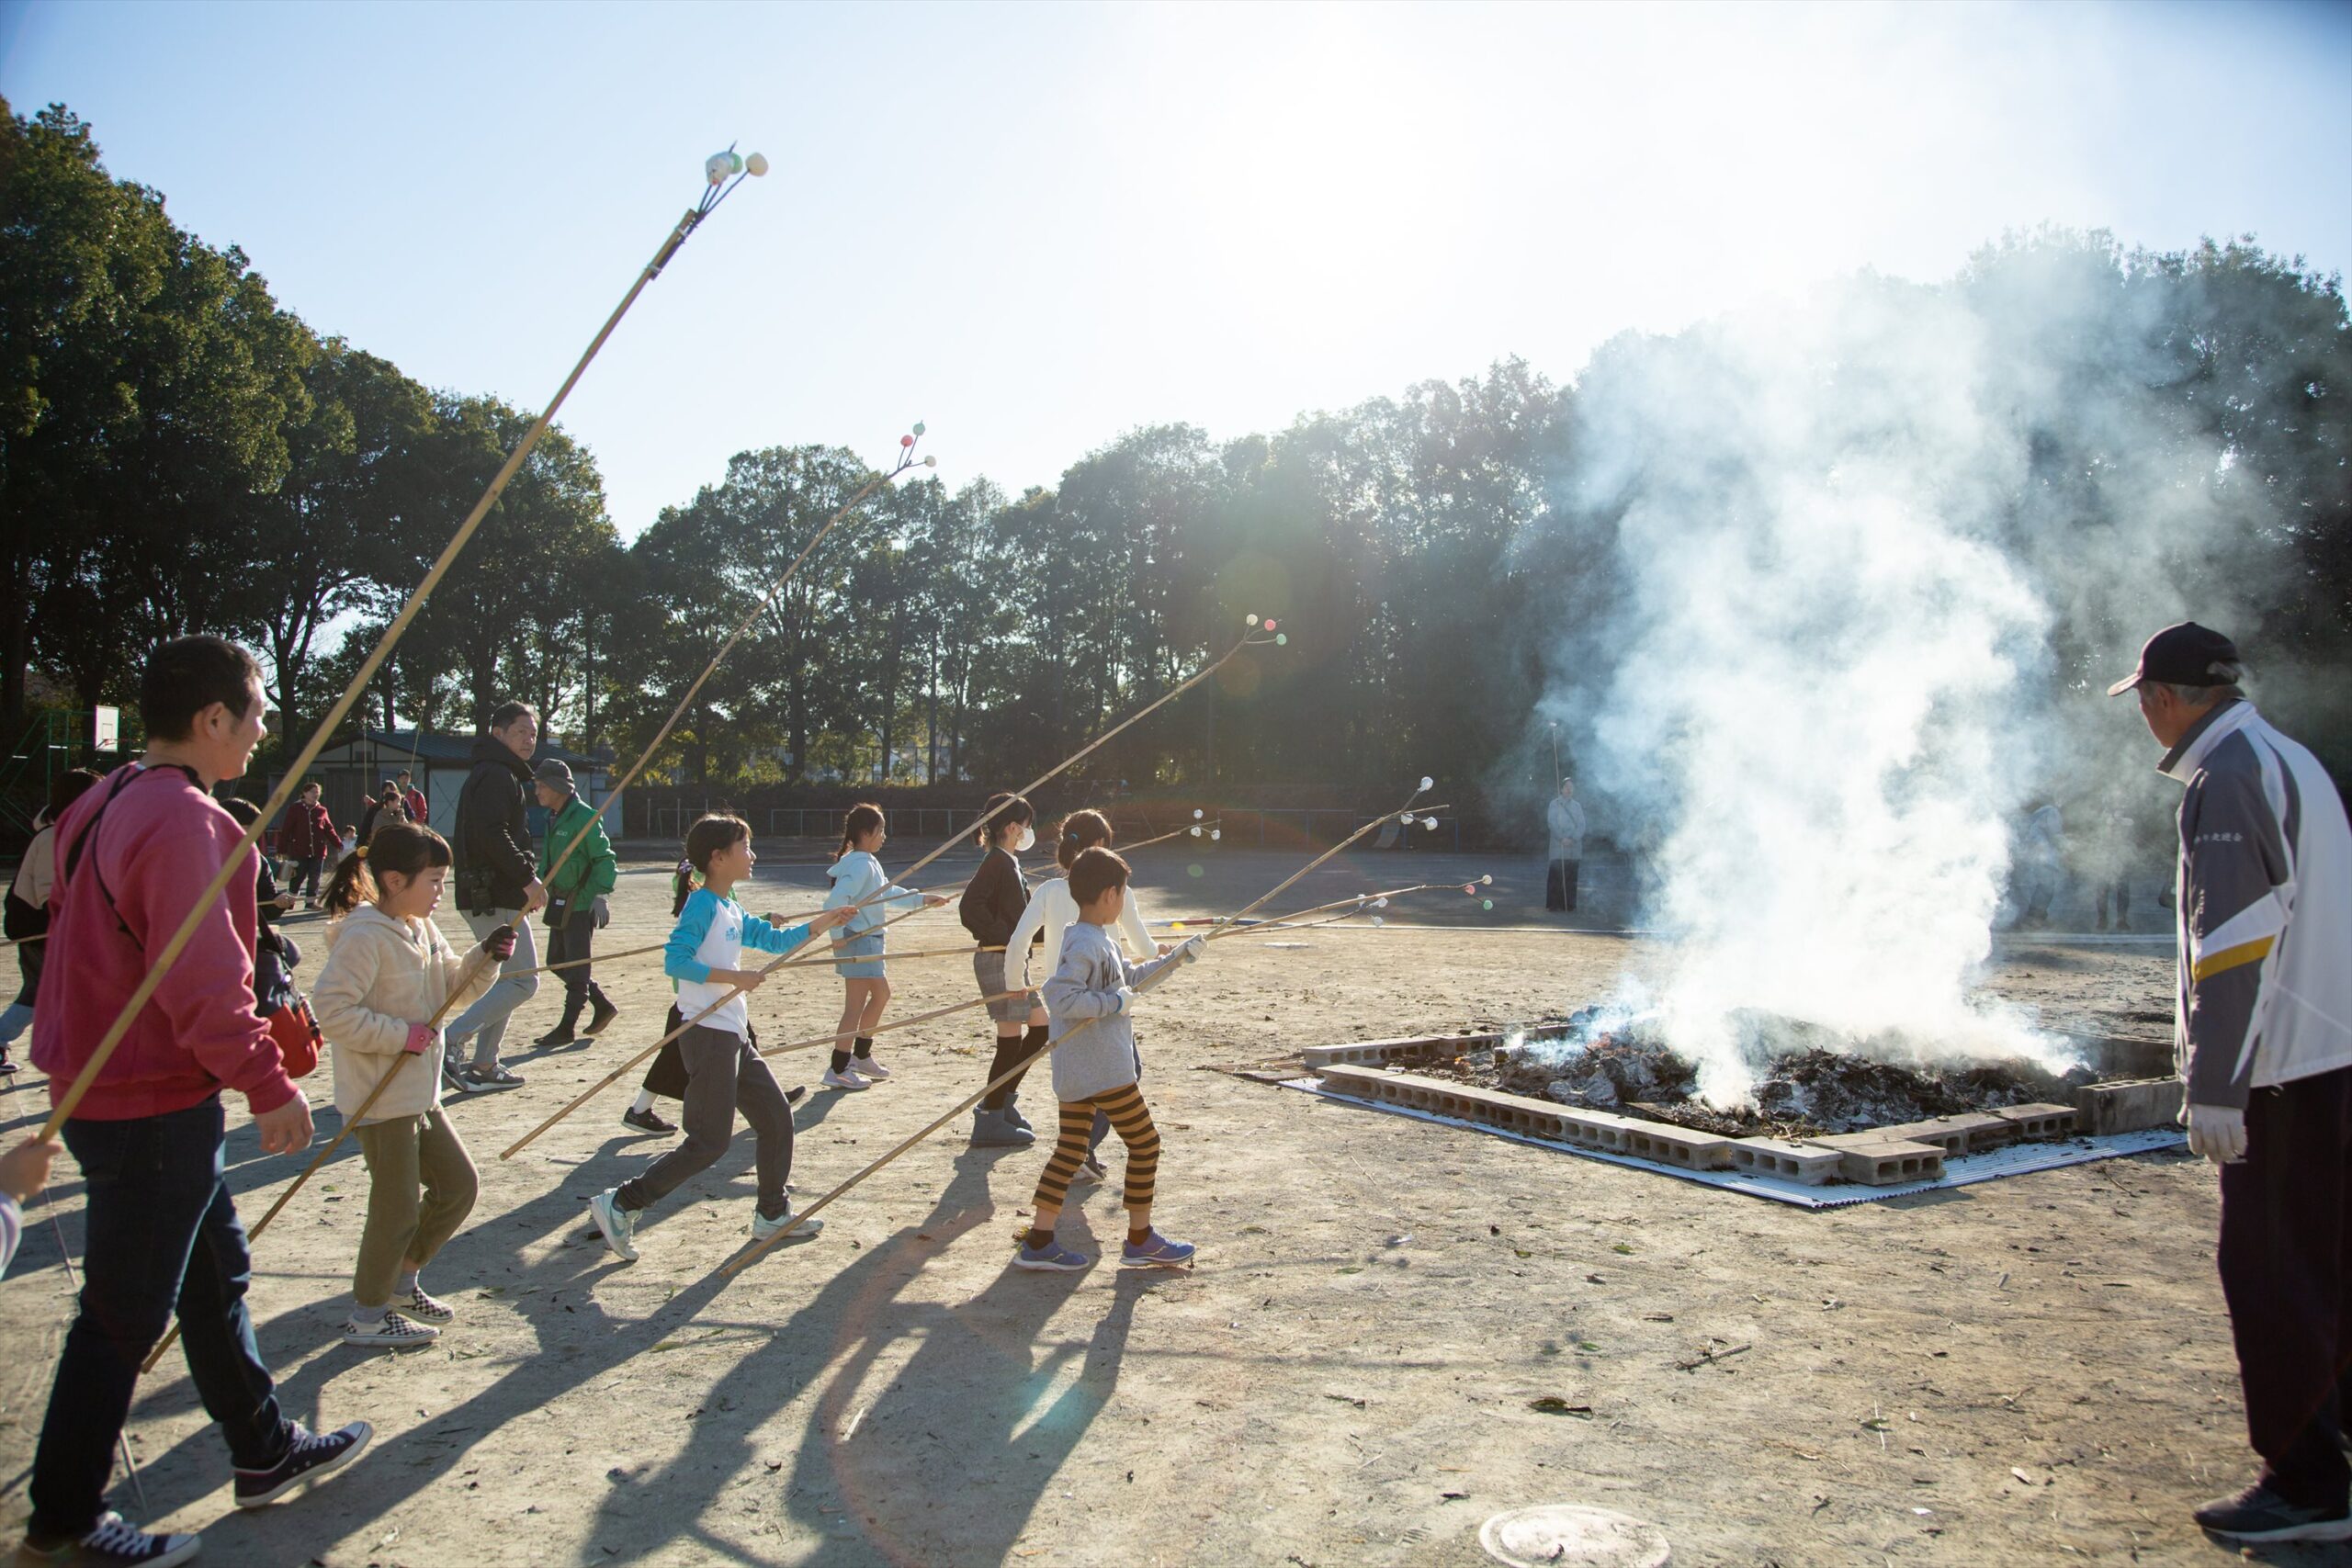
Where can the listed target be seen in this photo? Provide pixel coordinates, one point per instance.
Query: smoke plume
(1852, 566)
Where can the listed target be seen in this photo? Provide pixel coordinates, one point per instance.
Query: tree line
(178, 451)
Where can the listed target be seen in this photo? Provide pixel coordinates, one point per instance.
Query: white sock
(367, 1314)
(644, 1102)
(406, 1284)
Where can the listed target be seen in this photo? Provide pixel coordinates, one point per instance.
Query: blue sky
(1036, 226)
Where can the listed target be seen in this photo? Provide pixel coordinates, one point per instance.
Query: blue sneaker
(1052, 1258)
(1156, 1251)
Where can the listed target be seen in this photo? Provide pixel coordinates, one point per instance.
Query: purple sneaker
(1156, 1251)
(1052, 1258)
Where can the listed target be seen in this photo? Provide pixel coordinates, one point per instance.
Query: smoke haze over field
(1870, 558)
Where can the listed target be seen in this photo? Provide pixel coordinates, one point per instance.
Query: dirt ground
(2023, 1371)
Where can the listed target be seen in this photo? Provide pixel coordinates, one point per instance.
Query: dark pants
(572, 938)
(163, 1235)
(307, 869)
(724, 1075)
(1560, 886)
(2286, 1258)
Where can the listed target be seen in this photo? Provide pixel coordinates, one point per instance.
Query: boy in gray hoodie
(1090, 1003)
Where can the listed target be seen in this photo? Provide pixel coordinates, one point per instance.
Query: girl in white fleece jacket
(388, 970)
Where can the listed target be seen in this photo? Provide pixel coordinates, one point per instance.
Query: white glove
(2216, 1132)
(1192, 949)
(1126, 1003)
(604, 912)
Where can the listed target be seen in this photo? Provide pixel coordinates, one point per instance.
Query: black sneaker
(453, 1077)
(604, 1014)
(308, 1457)
(646, 1121)
(7, 1062)
(559, 1035)
(113, 1541)
(2259, 1514)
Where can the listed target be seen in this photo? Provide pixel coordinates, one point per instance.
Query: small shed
(438, 764)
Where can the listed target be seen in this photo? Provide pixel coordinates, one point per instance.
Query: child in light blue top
(725, 1072)
(858, 879)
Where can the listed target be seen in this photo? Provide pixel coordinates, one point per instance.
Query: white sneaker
(619, 1224)
(390, 1329)
(846, 1078)
(867, 1067)
(763, 1228)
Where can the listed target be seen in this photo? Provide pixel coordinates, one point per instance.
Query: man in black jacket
(496, 882)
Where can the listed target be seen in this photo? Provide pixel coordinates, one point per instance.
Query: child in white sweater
(389, 971)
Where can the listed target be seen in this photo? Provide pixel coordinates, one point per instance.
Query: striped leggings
(1130, 1119)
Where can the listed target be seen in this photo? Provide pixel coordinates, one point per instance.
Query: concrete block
(1318, 1058)
(1678, 1145)
(2034, 1121)
(1890, 1163)
(1791, 1162)
(1535, 1118)
(2130, 1107)
(1956, 1135)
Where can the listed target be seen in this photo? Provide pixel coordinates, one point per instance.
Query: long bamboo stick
(204, 904)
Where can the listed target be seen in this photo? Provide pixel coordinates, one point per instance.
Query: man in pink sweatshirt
(133, 855)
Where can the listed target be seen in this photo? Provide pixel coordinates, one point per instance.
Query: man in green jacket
(577, 897)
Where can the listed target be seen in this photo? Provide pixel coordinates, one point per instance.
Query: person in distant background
(385, 808)
(2041, 864)
(27, 905)
(411, 798)
(305, 839)
(1564, 818)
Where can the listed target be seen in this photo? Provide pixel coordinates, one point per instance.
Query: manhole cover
(1564, 1535)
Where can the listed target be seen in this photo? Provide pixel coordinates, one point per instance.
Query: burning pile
(1809, 1080)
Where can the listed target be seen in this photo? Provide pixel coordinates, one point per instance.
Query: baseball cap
(2181, 656)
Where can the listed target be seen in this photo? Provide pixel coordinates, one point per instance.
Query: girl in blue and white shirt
(859, 879)
(723, 1065)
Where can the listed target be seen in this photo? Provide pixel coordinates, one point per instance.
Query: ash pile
(1810, 1080)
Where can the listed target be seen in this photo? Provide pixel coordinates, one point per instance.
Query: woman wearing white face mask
(993, 902)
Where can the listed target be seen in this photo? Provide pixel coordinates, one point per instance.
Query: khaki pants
(421, 1187)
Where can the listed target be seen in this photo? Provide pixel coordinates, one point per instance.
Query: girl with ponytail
(994, 901)
(858, 879)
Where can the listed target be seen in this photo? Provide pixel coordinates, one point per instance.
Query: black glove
(500, 943)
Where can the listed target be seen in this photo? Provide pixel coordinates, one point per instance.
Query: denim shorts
(867, 948)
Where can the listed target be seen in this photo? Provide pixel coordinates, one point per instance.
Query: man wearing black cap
(2263, 1043)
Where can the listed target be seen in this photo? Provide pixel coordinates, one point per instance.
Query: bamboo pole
(204, 904)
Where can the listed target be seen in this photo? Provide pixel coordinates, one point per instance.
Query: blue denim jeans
(162, 1235)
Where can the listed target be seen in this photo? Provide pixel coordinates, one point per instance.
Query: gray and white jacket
(1095, 980)
(2264, 940)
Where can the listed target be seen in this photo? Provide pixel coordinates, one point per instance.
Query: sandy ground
(2023, 1371)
